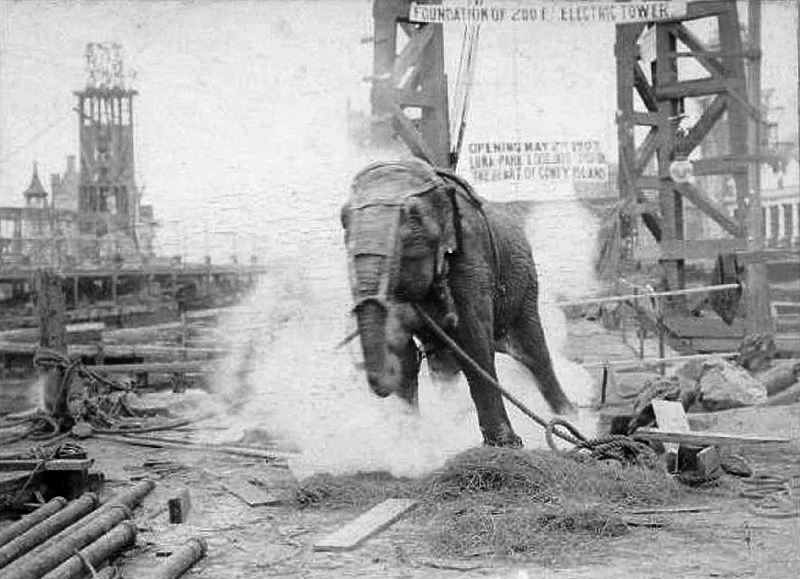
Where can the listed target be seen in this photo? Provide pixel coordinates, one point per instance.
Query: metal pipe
(31, 520)
(181, 559)
(39, 533)
(39, 561)
(77, 566)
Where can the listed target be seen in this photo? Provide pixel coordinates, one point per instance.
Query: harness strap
(466, 191)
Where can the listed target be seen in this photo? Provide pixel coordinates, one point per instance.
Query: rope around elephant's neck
(618, 447)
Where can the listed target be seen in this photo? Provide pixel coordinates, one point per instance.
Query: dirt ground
(727, 540)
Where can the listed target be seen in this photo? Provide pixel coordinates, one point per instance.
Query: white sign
(537, 161)
(536, 11)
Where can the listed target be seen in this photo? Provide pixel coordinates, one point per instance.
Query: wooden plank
(252, 495)
(647, 119)
(646, 150)
(370, 523)
(56, 464)
(703, 125)
(411, 54)
(670, 416)
(705, 438)
(717, 166)
(651, 182)
(704, 328)
(644, 90)
(698, 50)
(708, 207)
(691, 88)
(164, 367)
(698, 248)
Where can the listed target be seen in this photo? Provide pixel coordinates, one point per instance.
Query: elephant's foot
(507, 439)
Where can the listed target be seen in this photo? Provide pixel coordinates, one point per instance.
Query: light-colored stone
(724, 385)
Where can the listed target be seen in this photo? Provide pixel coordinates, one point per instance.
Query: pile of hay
(507, 502)
(362, 490)
(534, 503)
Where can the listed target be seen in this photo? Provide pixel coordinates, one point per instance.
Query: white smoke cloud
(286, 377)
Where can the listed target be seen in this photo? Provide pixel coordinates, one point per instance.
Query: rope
(617, 447)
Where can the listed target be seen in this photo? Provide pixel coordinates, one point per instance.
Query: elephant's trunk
(371, 317)
(372, 312)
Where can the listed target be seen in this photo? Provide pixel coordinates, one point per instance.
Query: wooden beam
(699, 50)
(413, 98)
(644, 89)
(163, 367)
(705, 438)
(708, 207)
(59, 464)
(691, 88)
(651, 182)
(250, 494)
(411, 53)
(651, 119)
(699, 248)
(705, 8)
(718, 166)
(647, 149)
(370, 523)
(703, 126)
(405, 127)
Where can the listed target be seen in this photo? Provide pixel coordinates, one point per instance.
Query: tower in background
(107, 196)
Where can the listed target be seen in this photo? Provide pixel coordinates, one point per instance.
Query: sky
(240, 119)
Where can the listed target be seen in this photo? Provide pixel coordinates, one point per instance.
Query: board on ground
(373, 521)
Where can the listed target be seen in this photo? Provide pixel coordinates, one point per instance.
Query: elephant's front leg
(410, 358)
(475, 338)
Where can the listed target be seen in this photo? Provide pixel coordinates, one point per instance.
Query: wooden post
(53, 336)
(757, 292)
(669, 200)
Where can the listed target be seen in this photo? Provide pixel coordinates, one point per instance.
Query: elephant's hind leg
(529, 347)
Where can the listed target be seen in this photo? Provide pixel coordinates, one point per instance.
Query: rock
(755, 351)
(735, 465)
(789, 396)
(781, 375)
(725, 385)
(629, 384)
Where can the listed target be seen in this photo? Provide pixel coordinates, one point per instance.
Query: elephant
(419, 237)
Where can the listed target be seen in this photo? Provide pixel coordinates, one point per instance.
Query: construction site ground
(725, 539)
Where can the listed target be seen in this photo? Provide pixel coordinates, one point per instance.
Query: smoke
(285, 376)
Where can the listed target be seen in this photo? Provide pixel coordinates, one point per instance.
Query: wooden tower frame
(409, 87)
(414, 80)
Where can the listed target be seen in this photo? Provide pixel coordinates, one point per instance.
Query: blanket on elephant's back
(389, 182)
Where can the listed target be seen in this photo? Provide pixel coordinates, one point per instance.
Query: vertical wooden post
(53, 336)
(669, 200)
(757, 294)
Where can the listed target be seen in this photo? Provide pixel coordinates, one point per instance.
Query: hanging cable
(463, 88)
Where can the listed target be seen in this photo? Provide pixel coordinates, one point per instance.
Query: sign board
(541, 11)
(536, 161)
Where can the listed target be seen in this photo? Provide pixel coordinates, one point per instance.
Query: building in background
(93, 215)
